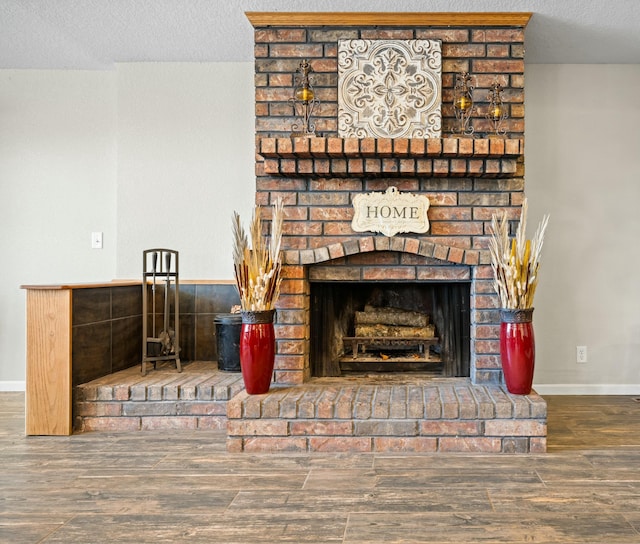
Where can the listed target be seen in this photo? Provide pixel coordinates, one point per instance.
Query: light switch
(96, 240)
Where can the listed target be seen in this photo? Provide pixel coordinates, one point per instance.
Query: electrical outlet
(581, 354)
(96, 240)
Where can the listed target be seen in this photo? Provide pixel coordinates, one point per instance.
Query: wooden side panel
(49, 392)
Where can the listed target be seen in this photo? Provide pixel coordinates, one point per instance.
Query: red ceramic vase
(517, 350)
(257, 351)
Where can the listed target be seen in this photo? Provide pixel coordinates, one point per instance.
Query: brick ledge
(334, 147)
(397, 157)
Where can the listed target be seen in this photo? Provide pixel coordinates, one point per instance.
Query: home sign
(390, 212)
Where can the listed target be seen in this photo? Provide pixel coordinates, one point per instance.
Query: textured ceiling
(95, 34)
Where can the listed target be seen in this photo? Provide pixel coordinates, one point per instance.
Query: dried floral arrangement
(257, 262)
(516, 261)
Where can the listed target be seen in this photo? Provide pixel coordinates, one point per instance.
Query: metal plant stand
(160, 267)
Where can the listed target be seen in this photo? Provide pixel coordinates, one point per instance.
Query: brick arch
(402, 244)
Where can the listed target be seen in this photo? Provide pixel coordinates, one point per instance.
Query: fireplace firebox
(409, 327)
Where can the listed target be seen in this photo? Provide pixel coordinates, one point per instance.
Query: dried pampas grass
(257, 262)
(516, 261)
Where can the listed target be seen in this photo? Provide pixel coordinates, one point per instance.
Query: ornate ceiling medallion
(389, 88)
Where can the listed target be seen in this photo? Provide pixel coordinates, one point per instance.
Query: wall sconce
(497, 113)
(463, 104)
(304, 102)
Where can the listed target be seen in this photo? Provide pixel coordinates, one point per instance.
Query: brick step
(434, 416)
(163, 399)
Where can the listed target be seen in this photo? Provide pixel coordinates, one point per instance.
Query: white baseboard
(587, 389)
(12, 386)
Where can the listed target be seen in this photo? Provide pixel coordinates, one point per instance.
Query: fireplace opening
(390, 327)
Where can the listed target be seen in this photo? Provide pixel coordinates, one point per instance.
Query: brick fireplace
(466, 181)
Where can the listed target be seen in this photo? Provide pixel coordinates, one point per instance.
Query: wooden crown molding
(406, 19)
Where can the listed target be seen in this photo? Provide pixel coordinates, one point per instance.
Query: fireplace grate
(360, 344)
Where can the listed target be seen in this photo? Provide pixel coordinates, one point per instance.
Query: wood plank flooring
(182, 486)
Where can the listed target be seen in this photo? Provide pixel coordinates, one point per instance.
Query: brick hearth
(366, 414)
(383, 414)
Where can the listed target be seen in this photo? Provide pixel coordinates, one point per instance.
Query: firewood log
(391, 316)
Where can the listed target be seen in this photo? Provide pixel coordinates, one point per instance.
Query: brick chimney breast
(465, 179)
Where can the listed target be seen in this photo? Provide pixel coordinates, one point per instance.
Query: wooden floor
(182, 486)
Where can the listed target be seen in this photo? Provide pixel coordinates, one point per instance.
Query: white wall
(185, 162)
(583, 167)
(152, 155)
(125, 151)
(57, 175)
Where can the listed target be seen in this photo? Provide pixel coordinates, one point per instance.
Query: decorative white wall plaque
(389, 88)
(390, 212)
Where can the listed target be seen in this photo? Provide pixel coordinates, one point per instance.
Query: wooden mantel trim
(412, 19)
